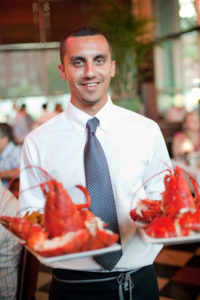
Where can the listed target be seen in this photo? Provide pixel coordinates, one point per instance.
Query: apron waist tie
(123, 279)
(125, 282)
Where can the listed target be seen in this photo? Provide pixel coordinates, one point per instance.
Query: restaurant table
(27, 276)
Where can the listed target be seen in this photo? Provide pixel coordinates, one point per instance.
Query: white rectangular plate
(52, 259)
(193, 238)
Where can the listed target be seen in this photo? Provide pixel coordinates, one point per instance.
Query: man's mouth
(90, 84)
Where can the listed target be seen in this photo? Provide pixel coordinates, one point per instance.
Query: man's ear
(61, 71)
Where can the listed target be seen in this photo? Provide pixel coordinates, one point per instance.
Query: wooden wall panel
(26, 21)
(16, 22)
(65, 15)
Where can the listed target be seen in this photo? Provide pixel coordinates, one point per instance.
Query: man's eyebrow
(101, 55)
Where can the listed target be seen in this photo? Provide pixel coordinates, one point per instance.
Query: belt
(123, 279)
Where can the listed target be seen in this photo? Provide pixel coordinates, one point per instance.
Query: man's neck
(89, 108)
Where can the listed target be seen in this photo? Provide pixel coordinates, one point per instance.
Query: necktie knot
(92, 125)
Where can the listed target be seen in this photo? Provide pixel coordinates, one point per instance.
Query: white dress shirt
(135, 151)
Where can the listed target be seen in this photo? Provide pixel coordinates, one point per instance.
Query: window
(176, 56)
(30, 76)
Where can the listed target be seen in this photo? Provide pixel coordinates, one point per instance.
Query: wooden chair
(27, 276)
(168, 130)
(14, 187)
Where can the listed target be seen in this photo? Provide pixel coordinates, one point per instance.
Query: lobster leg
(70, 242)
(161, 227)
(19, 226)
(146, 210)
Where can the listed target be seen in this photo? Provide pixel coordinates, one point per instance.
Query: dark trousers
(143, 285)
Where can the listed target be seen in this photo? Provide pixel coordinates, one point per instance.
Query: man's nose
(89, 70)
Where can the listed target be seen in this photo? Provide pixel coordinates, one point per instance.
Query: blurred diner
(58, 109)
(22, 124)
(9, 154)
(10, 248)
(176, 113)
(188, 140)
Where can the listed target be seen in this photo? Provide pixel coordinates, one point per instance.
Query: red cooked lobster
(178, 211)
(64, 228)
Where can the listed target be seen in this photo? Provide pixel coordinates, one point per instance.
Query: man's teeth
(91, 84)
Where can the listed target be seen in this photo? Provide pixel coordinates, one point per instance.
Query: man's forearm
(9, 173)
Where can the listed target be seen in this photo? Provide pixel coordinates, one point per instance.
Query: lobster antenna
(25, 168)
(49, 177)
(166, 164)
(146, 182)
(162, 162)
(32, 187)
(15, 176)
(39, 168)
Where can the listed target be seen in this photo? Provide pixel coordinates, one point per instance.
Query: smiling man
(130, 148)
(88, 67)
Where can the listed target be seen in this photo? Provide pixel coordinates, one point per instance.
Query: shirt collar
(79, 118)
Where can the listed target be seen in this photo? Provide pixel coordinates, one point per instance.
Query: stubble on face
(89, 102)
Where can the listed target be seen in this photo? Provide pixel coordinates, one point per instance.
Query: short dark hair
(6, 130)
(83, 30)
(44, 105)
(23, 106)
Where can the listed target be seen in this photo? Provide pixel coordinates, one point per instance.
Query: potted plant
(126, 32)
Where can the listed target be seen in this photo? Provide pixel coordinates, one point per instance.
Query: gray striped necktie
(99, 185)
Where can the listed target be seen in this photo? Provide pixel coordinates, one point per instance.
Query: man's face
(88, 67)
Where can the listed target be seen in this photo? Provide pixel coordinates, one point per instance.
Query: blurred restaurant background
(156, 44)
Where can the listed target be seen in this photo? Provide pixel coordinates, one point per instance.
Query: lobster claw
(19, 226)
(177, 195)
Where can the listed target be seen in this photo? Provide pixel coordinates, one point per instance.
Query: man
(9, 154)
(9, 248)
(135, 151)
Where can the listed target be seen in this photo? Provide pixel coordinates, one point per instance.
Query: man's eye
(99, 60)
(78, 63)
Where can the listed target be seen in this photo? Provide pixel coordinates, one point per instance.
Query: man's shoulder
(130, 116)
(50, 126)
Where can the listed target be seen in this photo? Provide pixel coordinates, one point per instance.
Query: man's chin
(90, 101)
